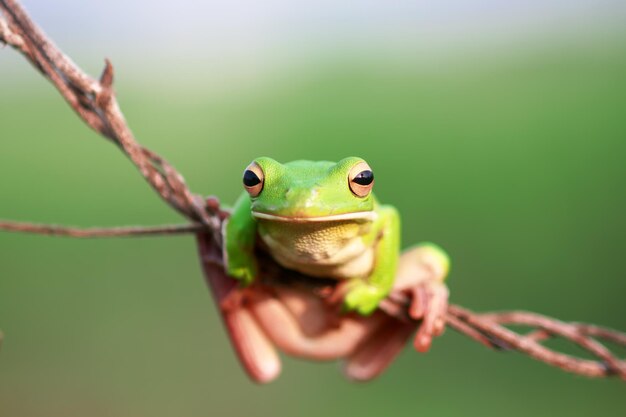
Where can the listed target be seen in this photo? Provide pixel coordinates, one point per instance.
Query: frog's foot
(362, 297)
(429, 303)
(355, 295)
(246, 274)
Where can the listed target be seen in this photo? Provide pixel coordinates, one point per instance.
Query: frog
(321, 219)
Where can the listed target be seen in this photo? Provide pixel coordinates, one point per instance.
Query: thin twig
(54, 230)
(488, 325)
(488, 329)
(95, 103)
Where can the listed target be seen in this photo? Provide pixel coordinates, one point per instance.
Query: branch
(53, 230)
(490, 326)
(95, 103)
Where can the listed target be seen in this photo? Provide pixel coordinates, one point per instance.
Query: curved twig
(489, 325)
(95, 103)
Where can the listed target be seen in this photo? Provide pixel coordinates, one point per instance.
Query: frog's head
(306, 191)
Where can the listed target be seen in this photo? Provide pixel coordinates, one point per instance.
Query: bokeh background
(497, 128)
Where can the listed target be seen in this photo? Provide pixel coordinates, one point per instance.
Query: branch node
(8, 37)
(103, 99)
(106, 79)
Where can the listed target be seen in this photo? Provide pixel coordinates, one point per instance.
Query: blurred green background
(513, 158)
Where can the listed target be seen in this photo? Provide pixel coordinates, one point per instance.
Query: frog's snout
(301, 194)
(302, 200)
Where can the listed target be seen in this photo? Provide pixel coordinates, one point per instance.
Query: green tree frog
(319, 218)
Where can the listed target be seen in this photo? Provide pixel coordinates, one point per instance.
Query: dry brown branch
(53, 230)
(489, 325)
(95, 103)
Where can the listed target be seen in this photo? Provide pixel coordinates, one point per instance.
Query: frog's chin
(357, 216)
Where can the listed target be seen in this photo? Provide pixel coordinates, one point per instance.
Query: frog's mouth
(359, 216)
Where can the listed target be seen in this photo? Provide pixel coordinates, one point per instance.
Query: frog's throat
(359, 216)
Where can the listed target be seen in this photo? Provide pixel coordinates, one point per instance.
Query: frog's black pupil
(364, 177)
(250, 179)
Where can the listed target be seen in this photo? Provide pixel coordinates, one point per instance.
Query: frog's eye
(253, 179)
(361, 179)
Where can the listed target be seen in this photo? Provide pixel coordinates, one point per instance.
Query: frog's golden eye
(361, 179)
(253, 179)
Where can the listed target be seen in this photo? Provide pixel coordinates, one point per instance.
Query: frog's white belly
(328, 249)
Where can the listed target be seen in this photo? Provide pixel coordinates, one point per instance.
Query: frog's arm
(365, 294)
(239, 242)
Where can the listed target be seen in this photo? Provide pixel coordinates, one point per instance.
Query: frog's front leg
(364, 294)
(239, 233)
(421, 272)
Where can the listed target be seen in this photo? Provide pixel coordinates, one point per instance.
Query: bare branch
(94, 101)
(488, 328)
(489, 325)
(53, 230)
